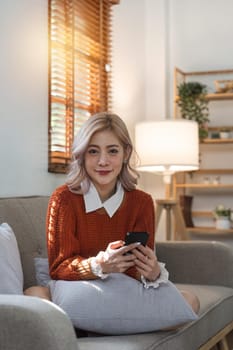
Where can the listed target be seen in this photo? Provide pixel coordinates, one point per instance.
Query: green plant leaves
(194, 105)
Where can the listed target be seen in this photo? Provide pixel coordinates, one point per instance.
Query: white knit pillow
(11, 273)
(121, 305)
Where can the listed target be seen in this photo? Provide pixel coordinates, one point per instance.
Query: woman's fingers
(117, 260)
(121, 257)
(146, 251)
(124, 265)
(122, 250)
(147, 263)
(119, 264)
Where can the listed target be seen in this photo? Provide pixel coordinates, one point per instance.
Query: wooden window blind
(79, 74)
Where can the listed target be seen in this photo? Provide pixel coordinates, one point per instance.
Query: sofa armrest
(32, 323)
(199, 262)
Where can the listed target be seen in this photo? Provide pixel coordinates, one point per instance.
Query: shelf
(208, 72)
(220, 96)
(220, 127)
(209, 230)
(210, 186)
(216, 141)
(207, 188)
(214, 171)
(217, 96)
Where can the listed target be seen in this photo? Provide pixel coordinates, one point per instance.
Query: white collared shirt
(93, 202)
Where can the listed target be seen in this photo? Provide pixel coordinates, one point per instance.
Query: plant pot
(222, 223)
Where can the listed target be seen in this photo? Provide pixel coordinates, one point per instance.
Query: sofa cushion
(26, 216)
(215, 313)
(30, 323)
(11, 274)
(121, 305)
(42, 271)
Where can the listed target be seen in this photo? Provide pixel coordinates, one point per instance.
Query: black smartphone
(132, 237)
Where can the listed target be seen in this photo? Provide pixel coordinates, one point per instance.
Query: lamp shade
(167, 146)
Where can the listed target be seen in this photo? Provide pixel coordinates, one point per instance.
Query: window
(79, 71)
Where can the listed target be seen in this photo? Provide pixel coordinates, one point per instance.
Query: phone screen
(132, 237)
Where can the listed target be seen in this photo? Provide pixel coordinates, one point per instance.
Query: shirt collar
(93, 202)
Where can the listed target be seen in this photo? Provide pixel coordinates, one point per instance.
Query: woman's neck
(106, 193)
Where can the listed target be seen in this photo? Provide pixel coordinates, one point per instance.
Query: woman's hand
(115, 258)
(146, 262)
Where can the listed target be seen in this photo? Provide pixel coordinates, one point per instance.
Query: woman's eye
(113, 151)
(92, 151)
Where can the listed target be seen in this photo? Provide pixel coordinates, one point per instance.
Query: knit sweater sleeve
(62, 243)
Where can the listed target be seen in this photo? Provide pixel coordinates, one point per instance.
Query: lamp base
(171, 206)
(167, 178)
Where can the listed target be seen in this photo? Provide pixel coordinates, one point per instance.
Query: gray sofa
(31, 323)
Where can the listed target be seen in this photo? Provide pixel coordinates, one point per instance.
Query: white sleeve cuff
(96, 267)
(163, 278)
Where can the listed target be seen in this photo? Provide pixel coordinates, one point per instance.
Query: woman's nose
(103, 159)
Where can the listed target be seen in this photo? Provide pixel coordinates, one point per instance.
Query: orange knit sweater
(73, 235)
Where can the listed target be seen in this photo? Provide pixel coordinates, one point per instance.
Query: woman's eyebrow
(108, 146)
(113, 145)
(92, 145)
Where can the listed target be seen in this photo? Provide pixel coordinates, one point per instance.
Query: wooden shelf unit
(181, 183)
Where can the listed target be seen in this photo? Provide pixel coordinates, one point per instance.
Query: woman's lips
(103, 172)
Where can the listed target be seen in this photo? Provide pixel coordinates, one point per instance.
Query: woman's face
(103, 161)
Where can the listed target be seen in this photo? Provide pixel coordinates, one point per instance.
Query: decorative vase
(186, 205)
(222, 223)
(225, 134)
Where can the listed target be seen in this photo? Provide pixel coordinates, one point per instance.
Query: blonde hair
(77, 174)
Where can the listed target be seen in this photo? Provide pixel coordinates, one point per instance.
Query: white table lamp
(166, 147)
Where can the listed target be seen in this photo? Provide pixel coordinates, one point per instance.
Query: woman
(89, 216)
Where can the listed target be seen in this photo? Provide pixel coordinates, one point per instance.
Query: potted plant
(194, 105)
(222, 217)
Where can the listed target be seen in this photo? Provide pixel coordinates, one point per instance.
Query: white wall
(23, 99)
(156, 59)
(129, 58)
(201, 34)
